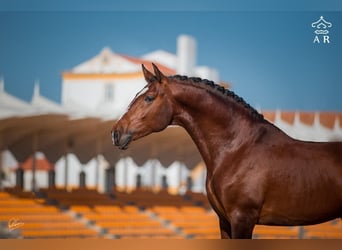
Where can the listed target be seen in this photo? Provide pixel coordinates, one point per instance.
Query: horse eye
(149, 99)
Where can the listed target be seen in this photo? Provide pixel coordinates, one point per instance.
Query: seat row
(129, 217)
(29, 218)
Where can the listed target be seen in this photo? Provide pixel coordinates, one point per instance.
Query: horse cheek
(164, 117)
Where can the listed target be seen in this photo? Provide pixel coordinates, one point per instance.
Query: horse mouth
(122, 141)
(125, 143)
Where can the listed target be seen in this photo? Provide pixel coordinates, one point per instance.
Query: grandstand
(85, 213)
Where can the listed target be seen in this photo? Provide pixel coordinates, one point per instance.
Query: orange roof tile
(148, 65)
(42, 164)
(287, 116)
(327, 119)
(269, 115)
(307, 118)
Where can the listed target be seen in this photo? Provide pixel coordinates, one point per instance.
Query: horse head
(150, 111)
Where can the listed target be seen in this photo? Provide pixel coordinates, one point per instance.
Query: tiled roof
(307, 118)
(269, 115)
(108, 62)
(326, 119)
(42, 164)
(148, 65)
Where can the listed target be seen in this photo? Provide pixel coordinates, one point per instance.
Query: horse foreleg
(225, 229)
(242, 225)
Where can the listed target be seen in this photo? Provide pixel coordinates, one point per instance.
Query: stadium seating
(35, 220)
(186, 220)
(275, 232)
(123, 222)
(327, 230)
(145, 198)
(86, 213)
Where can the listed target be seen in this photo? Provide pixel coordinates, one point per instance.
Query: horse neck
(212, 121)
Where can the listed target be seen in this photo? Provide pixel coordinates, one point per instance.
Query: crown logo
(321, 31)
(321, 26)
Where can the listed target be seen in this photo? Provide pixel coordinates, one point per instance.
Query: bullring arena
(39, 202)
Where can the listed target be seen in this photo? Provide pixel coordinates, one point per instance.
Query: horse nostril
(115, 137)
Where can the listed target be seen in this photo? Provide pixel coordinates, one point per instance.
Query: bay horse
(256, 174)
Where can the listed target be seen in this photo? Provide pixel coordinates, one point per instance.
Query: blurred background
(66, 76)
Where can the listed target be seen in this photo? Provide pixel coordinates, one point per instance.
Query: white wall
(90, 94)
(74, 169)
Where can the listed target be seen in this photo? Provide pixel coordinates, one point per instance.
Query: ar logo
(321, 30)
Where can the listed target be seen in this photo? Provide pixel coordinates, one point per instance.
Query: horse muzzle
(121, 140)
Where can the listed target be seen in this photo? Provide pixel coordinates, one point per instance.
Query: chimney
(186, 55)
(36, 90)
(2, 84)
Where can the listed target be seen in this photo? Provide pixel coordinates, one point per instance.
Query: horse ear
(159, 75)
(149, 77)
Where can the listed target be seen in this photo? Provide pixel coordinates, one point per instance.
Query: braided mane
(220, 90)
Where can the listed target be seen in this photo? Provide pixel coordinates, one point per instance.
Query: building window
(109, 93)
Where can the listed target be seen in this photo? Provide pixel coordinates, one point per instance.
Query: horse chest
(214, 198)
(223, 198)
(235, 190)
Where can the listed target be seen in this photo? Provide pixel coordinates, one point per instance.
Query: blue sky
(268, 55)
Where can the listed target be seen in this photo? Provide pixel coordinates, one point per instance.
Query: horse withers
(256, 174)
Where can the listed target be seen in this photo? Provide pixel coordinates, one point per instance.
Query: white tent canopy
(55, 135)
(54, 130)
(11, 106)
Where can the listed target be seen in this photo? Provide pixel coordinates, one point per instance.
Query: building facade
(105, 84)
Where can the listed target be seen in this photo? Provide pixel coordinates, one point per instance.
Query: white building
(105, 84)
